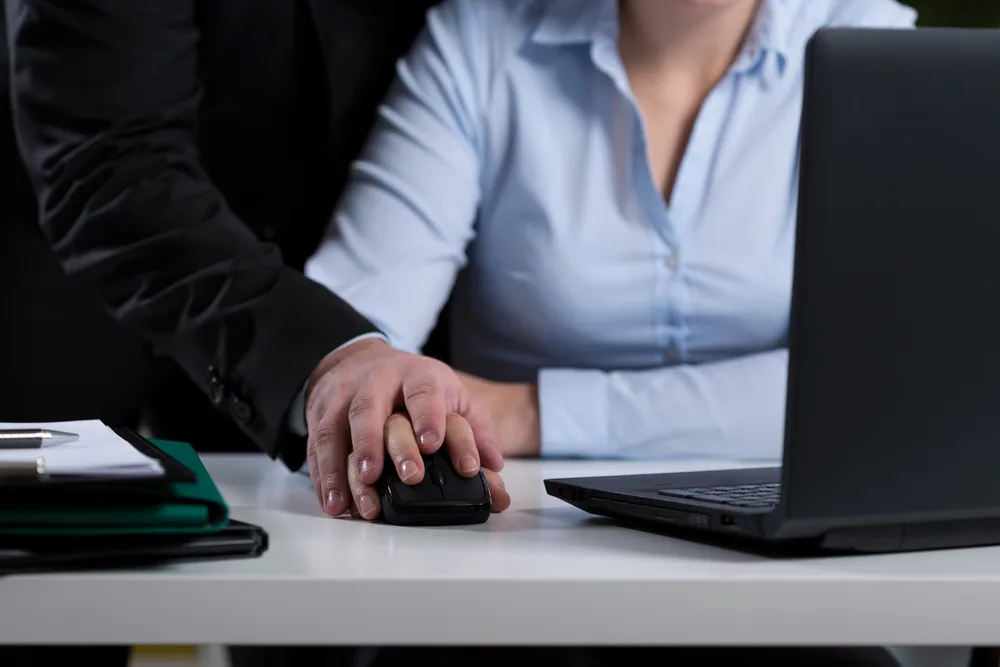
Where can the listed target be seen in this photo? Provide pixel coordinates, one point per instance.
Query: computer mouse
(442, 498)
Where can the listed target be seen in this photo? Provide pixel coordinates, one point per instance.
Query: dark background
(963, 13)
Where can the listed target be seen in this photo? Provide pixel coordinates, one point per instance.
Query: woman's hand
(514, 408)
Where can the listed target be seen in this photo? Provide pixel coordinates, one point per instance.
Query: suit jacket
(185, 157)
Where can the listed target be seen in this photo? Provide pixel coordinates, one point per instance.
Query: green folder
(118, 507)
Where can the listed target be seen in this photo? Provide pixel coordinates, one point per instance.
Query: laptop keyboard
(749, 495)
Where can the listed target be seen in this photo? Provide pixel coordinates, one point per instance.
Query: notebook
(98, 452)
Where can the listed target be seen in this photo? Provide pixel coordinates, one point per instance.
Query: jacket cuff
(255, 363)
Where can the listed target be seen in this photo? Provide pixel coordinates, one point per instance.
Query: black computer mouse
(442, 498)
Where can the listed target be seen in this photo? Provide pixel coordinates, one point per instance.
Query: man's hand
(459, 439)
(349, 399)
(514, 408)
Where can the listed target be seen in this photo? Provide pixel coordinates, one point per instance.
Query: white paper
(98, 451)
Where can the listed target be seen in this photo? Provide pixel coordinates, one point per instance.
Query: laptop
(892, 426)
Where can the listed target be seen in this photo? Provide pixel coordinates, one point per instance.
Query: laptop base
(635, 500)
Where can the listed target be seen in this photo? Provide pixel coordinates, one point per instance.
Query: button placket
(672, 261)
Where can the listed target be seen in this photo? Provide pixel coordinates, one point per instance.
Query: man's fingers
(499, 495)
(424, 398)
(365, 498)
(461, 445)
(478, 417)
(401, 445)
(368, 413)
(314, 471)
(331, 447)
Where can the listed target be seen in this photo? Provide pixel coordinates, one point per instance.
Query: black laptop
(892, 431)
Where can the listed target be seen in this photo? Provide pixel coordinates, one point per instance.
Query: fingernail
(366, 504)
(407, 470)
(428, 438)
(365, 465)
(468, 464)
(332, 498)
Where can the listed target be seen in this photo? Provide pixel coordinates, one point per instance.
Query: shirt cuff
(573, 413)
(297, 413)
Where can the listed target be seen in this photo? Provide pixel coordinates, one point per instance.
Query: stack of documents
(97, 452)
(109, 498)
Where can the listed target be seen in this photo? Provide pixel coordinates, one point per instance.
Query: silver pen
(33, 438)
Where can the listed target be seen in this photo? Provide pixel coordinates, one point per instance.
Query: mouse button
(436, 475)
(423, 492)
(438, 458)
(466, 488)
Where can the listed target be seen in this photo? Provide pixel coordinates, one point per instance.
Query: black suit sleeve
(106, 96)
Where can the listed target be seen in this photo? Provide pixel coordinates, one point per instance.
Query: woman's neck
(688, 42)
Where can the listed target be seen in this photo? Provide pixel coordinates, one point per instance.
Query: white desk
(543, 572)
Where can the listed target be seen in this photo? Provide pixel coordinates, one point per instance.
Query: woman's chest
(567, 247)
(616, 288)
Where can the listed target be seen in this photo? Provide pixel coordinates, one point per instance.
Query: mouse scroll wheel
(436, 475)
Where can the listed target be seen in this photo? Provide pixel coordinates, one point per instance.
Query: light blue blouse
(509, 161)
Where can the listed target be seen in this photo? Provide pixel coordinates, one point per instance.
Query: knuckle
(423, 388)
(458, 396)
(381, 372)
(329, 480)
(361, 406)
(401, 452)
(326, 434)
(365, 442)
(341, 392)
(331, 393)
(340, 386)
(421, 417)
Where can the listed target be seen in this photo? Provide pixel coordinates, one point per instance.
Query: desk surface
(543, 572)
